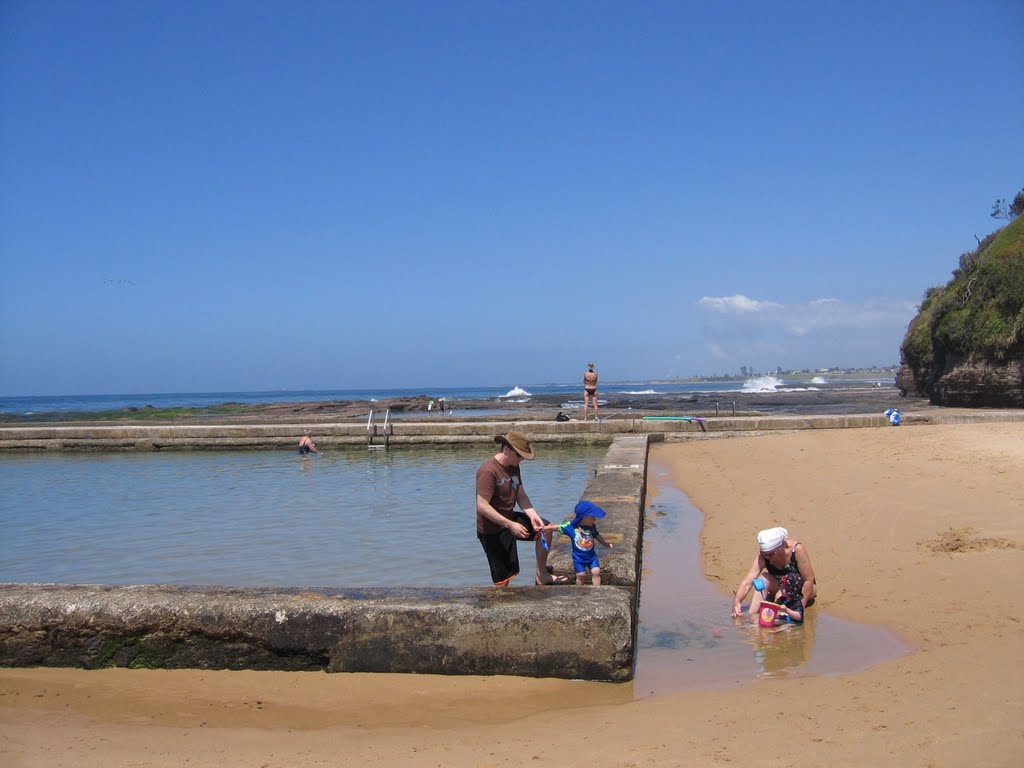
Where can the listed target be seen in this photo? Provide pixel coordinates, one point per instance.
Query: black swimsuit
(791, 581)
(780, 572)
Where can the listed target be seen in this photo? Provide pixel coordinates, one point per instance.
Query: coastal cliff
(965, 347)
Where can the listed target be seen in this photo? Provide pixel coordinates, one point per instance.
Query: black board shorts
(502, 552)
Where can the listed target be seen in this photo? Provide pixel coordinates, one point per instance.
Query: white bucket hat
(772, 538)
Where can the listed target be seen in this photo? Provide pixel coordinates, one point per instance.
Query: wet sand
(918, 529)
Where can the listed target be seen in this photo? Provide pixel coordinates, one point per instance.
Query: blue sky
(205, 196)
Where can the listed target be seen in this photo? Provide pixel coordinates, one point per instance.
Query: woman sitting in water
(306, 444)
(779, 556)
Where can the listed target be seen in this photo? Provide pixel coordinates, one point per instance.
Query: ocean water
(28, 405)
(340, 518)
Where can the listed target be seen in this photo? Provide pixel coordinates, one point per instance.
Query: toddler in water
(790, 598)
(582, 531)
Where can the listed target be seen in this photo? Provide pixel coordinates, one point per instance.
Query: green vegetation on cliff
(978, 317)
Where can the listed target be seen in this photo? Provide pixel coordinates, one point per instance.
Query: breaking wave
(517, 392)
(762, 384)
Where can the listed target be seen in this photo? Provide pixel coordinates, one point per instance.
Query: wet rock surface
(967, 385)
(546, 407)
(983, 385)
(826, 400)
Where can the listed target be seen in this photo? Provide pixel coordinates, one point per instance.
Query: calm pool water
(341, 518)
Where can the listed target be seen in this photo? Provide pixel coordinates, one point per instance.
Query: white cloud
(738, 304)
(822, 331)
(716, 351)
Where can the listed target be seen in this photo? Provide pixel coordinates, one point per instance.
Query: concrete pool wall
(556, 631)
(150, 437)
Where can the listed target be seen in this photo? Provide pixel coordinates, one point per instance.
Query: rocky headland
(965, 347)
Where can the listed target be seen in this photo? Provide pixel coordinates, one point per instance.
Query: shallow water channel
(687, 637)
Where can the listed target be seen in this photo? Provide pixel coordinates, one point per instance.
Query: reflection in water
(687, 638)
(782, 649)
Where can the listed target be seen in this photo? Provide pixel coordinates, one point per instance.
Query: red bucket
(767, 614)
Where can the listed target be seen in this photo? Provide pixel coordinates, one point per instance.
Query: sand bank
(918, 528)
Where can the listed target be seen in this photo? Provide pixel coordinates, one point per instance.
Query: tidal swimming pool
(340, 518)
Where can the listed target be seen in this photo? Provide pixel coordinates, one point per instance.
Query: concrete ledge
(286, 436)
(561, 632)
(619, 488)
(282, 436)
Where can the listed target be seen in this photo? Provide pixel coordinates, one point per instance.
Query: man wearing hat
(499, 488)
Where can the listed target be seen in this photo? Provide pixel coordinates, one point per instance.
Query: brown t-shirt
(502, 487)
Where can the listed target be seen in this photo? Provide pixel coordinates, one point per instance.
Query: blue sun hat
(585, 508)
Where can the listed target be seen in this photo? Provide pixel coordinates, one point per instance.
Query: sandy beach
(918, 529)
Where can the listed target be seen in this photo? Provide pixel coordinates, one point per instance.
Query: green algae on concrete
(534, 631)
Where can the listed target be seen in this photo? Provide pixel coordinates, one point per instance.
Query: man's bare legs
(543, 576)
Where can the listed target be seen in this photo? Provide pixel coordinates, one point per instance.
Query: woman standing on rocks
(589, 390)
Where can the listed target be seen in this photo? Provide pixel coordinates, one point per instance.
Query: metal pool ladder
(378, 436)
